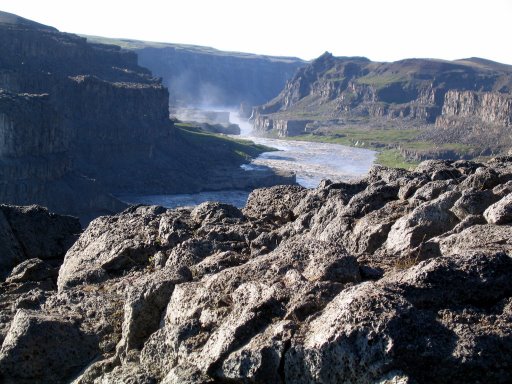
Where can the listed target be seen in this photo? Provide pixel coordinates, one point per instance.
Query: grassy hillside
(209, 145)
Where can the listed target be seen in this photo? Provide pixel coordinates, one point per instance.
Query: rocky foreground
(402, 277)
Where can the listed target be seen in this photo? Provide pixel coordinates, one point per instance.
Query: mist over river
(311, 162)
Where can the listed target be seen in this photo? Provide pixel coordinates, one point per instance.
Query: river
(310, 161)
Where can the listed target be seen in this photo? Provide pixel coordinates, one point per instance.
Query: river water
(311, 163)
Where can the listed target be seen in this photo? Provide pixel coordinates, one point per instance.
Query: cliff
(400, 277)
(338, 92)
(80, 122)
(202, 76)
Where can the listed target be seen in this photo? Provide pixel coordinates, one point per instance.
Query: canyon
(398, 276)
(206, 77)
(76, 116)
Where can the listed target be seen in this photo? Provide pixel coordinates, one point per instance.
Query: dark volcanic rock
(33, 232)
(347, 282)
(402, 326)
(55, 349)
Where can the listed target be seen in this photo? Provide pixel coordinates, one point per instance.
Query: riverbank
(309, 162)
(397, 148)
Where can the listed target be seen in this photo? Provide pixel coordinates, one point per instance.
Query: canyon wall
(65, 105)
(213, 78)
(204, 77)
(459, 107)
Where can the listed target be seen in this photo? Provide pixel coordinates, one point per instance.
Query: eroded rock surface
(401, 277)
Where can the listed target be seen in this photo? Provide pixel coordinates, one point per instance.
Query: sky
(382, 30)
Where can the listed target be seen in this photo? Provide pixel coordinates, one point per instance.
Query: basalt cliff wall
(65, 106)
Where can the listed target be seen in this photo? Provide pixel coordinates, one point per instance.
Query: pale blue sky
(382, 30)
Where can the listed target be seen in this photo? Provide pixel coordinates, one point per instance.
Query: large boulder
(42, 348)
(276, 203)
(371, 231)
(441, 313)
(500, 212)
(473, 202)
(112, 245)
(424, 222)
(34, 232)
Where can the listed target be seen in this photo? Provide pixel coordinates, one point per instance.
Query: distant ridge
(132, 44)
(12, 19)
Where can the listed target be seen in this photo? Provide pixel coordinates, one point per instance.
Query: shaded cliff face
(65, 103)
(203, 76)
(412, 92)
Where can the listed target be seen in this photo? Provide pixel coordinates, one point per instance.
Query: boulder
(259, 360)
(483, 178)
(500, 212)
(431, 167)
(33, 232)
(473, 202)
(215, 213)
(143, 310)
(41, 348)
(32, 270)
(375, 196)
(424, 222)
(432, 190)
(112, 245)
(477, 239)
(274, 203)
(433, 314)
(371, 231)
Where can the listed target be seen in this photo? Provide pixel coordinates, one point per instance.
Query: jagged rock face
(489, 108)
(374, 281)
(412, 92)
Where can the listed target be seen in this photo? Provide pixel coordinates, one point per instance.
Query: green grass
(393, 158)
(381, 81)
(387, 142)
(426, 146)
(367, 138)
(240, 150)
